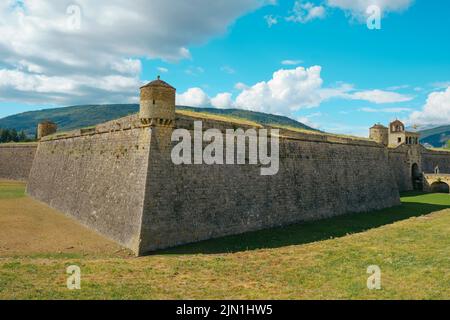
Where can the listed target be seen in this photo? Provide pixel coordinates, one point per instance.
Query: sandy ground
(29, 227)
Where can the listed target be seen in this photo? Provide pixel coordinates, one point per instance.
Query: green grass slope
(68, 118)
(75, 117)
(325, 259)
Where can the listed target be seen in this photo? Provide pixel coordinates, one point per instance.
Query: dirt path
(29, 227)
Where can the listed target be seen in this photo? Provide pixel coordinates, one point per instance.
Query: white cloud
(290, 90)
(342, 91)
(436, 110)
(285, 93)
(357, 8)
(35, 88)
(240, 86)
(127, 66)
(228, 69)
(379, 96)
(223, 101)
(401, 87)
(194, 71)
(307, 120)
(162, 69)
(441, 85)
(196, 97)
(112, 37)
(291, 62)
(193, 97)
(385, 110)
(271, 20)
(305, 12)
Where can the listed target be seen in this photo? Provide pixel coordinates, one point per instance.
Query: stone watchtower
(380, 134)
(46, 128)
(157, 104)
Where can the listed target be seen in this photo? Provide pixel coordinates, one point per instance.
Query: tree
(4, 135)
(11, 135)
(22, 136)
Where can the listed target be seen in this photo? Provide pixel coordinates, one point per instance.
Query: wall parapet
(187, 122)
(19, 145)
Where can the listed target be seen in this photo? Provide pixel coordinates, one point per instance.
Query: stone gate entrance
(416, 176)
(439, 183)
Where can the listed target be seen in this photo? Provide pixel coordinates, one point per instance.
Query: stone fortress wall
(16, 160)
(118, 178)
(99, 179)
(434, 158)
(317, 179)
(409, 162)
(400, 168)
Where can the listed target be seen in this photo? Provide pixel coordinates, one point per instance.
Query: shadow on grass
(413, 205)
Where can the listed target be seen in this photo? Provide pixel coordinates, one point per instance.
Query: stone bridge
(436, 182)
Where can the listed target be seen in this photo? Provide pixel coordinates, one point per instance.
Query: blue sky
(364, 76)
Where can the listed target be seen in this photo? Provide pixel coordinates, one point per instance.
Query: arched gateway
(416, 177)
(440, 187)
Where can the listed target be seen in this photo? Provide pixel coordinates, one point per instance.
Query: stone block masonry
(433, 159)
(16, 160)
(97, 179)
(119, 180)
(317, 180)
(404, 159)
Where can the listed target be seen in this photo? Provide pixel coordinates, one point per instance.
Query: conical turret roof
(378, 126)
(158, 83)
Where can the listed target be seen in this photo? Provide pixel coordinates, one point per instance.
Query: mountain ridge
(80, 116)
(437, 136)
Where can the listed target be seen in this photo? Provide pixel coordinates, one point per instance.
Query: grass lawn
(317, 260)
(11, 190)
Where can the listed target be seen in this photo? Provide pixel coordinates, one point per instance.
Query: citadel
(118, 178)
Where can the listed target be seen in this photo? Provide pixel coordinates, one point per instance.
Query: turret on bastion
(46, 128)
(380, 134)
(157, 104)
